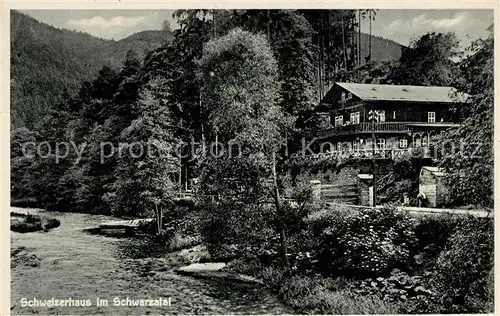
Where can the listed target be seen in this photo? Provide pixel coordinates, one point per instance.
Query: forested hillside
(47, 62)
(382, 49)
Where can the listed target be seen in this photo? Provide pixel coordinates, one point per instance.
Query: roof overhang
(400, 93)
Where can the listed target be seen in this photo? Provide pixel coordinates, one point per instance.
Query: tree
(241, 90)
(22, 156)
(165, 26)
(241, 104)
(428, 61)
(468, 149)
(145, 170)
(291, 38)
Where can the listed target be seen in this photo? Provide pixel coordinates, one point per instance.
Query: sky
(399, 25)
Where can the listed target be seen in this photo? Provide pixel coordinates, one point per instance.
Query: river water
(79, 266)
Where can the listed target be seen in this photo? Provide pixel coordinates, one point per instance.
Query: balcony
(385, 127)
(379, 154)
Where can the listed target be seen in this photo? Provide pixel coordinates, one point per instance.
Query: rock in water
(33, 223)
(202, 267)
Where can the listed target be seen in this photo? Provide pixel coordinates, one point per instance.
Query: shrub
(400, 286)
(230, 229)
(433, 232)
(376, 241)
(247, 266)
(180, 241)
(364, 242)
(464, 269)
(315, 295)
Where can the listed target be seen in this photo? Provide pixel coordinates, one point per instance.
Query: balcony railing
(385, 127)
(365, 127)
(390, 153)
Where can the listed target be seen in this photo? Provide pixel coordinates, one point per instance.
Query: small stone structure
(431, 187)
(365, 187)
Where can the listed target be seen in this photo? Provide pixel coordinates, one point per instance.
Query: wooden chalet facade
(407, 116)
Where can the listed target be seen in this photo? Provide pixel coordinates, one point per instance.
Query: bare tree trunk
(158, 219)
(370, 43)
(344, 51)
(269, 26)
(359, 43)
(281, 224)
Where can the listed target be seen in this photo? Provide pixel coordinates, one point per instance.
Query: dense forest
(205, 83)
(49, 64)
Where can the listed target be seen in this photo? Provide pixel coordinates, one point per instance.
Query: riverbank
(80, 266)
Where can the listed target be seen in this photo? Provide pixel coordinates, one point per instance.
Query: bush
(406, 289)
(363, 242)
(180, 241)
(464, 269)
(433, 232)
(376, 241)
(231, 229)
(315, 295)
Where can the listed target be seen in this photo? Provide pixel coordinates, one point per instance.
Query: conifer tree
(147, 167)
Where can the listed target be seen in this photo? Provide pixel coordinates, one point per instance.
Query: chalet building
(407, 116)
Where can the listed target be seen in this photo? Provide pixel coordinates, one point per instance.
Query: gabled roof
(382, 92)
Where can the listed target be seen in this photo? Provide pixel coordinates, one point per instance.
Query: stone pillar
(316, 190)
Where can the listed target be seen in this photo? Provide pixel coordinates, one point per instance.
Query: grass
(180, 241)
(316, 295)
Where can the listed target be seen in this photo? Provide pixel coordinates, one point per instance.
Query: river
(74, 264)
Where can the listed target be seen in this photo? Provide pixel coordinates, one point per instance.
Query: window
(355, 144)
(342, 97)
(417, 142)
(403, 143)
(393, 115)
(355, 117)
(424, 141)
(381, 143)
(349, 96)
(368, 143)
(381, 116)
(431, 117)
(339, 120)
